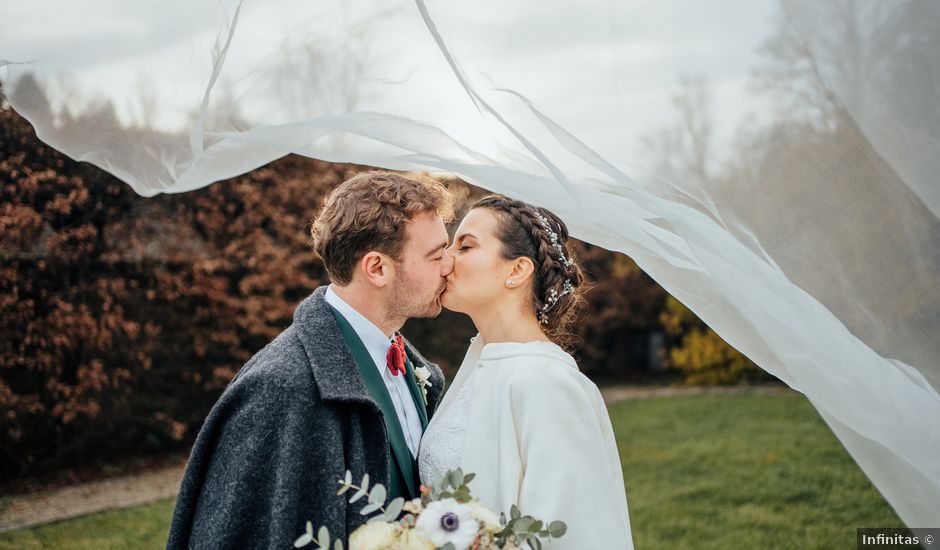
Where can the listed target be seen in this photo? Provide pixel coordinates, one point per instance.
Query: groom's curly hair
(369, 212)
(521, 230)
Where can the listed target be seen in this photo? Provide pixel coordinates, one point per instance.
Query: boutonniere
(424, 382)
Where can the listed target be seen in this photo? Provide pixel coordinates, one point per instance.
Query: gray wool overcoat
(290, 424)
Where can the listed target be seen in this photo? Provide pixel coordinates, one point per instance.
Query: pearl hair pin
(554, 238)
(567, 288)
(553, 298)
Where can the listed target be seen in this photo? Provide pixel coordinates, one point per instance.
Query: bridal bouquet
(446, 517)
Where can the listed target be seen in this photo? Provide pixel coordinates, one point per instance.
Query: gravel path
(86, 498)
(18, 512)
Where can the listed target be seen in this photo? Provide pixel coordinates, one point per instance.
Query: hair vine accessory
(554, 238)
(553, 297)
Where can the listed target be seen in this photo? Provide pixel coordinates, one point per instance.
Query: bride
(519, 413)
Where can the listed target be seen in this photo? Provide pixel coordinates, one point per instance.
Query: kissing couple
(341, 389)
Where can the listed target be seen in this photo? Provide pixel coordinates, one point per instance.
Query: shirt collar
(372, 337)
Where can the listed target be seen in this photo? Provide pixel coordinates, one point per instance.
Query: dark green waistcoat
(402, 467)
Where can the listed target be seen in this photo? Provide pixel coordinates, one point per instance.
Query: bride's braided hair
(536, 233)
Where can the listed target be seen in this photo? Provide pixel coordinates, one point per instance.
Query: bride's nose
(447, 266)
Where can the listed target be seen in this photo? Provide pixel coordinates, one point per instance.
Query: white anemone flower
(446, 521)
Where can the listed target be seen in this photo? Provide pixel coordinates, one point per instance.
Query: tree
(123, 318)
(685, 153)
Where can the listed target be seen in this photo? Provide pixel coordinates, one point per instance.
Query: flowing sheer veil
(773, 165)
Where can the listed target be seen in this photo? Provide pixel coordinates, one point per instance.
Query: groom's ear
(375, 269)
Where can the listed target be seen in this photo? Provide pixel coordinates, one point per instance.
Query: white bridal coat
(536, 433)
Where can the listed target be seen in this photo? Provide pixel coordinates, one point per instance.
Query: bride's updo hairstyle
(541, 236)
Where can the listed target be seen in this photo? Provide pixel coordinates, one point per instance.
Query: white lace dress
(441, 447)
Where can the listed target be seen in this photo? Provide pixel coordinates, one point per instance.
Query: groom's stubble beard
(409, 300)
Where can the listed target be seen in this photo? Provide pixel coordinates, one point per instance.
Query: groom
(337, 389)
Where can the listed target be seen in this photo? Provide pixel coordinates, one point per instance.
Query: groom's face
(421, 274)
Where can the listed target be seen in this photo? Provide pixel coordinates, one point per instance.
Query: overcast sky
(606, 70)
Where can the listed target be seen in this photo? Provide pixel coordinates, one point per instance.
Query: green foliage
(620, 313)
(453, 485)
(700, 354)
(528, 529)
(375, 501)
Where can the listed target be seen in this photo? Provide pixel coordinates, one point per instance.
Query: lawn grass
(706, 471)
(138, 527)
(740, 471)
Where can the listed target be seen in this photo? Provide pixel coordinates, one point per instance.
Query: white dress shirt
(377, 344)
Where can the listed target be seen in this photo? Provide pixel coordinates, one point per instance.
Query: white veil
(773, 165)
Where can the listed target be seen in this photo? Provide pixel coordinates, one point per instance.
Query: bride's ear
(522, 269)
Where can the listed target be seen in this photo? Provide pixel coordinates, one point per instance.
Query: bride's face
(478, 279)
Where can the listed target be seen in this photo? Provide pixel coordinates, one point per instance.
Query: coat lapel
(416, 393)
(330, 358)
(375, 384)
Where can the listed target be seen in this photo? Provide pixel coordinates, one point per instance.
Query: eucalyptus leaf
(323, 537)
(537, 526)
(514, 512)
(371, 507)
(557, 529)
(523, 524)
(343, 489)
(394, 508)
(303, 540)
(338, 544)
(449, 546)
(455, 478)
(365, 482)
(348, 479)
(309, 528)
(468, 478)
(359, 494)
(378, 494)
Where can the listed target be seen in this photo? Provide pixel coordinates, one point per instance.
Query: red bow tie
(396, 356)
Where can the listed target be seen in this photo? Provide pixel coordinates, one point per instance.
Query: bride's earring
(510, 282)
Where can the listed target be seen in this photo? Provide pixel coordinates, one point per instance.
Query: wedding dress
(536, 433)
